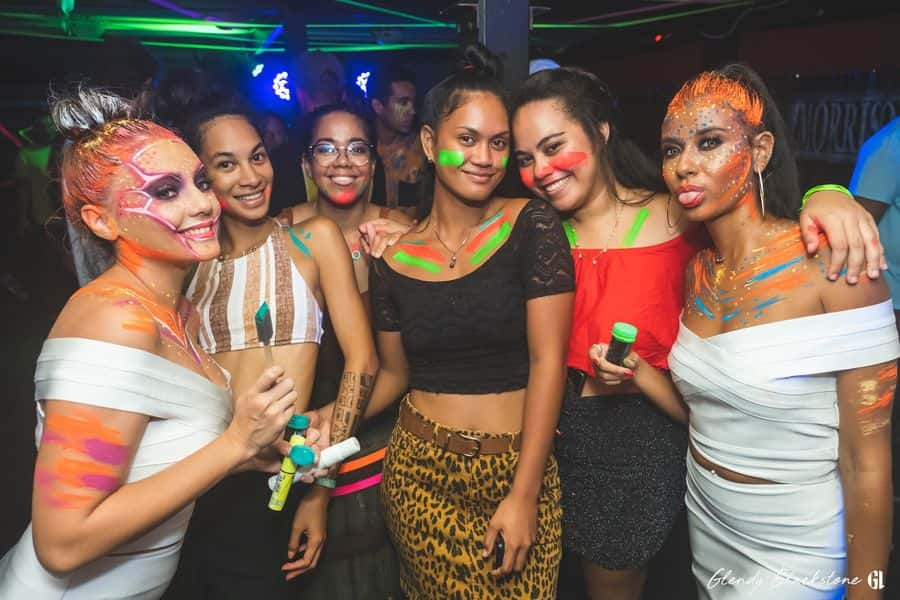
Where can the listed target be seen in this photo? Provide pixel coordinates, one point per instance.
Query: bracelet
(828, 187)
(326, 482)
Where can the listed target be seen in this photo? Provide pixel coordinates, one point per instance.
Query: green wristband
(326, 482)
(828, 187)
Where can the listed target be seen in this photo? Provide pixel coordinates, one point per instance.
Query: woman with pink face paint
(237, 546)
(622, 444)
(121, 455)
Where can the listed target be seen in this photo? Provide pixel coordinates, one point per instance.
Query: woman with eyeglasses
(358, 561)
(237, 546)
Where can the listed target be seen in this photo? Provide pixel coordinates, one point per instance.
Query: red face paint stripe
(568, 160)
(527, 176)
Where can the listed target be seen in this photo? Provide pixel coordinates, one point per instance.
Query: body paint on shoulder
(405, 258)
(299, 242)
(501, 232)
(636, 226)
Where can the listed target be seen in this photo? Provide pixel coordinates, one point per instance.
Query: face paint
(717, 89)
(568, 160)
(413, 261)
(635, 229)
(451, 158)
(526, 174)
(504, 161)
(298, 242)
(344, 197)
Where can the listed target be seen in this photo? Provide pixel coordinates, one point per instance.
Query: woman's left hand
(851, 231)
(309, 523)
(516, 519)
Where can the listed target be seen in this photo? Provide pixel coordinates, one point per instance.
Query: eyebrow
(672, 140)
(709, 130)
(334, 141)
(547, 138)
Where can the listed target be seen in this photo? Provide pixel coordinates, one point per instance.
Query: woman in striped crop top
(296, 271)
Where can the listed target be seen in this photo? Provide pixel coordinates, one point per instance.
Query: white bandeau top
(763, 400)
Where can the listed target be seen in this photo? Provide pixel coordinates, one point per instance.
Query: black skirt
(622, 471)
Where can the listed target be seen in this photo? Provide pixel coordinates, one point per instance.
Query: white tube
(328, 457)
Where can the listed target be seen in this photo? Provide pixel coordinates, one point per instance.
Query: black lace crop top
(468, 335)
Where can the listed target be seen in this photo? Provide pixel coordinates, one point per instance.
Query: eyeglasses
(326, 153)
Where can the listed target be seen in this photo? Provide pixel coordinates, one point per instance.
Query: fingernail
(629, 372)
(852, 279)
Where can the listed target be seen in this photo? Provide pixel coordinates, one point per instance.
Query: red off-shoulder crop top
(643, 286)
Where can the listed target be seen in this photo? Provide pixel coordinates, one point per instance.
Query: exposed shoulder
(108, 317)
(839, 295)
(318, 236)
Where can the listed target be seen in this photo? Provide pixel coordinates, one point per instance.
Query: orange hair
(711, 86)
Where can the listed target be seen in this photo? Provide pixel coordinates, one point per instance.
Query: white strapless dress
(186, 410)
(763, 402)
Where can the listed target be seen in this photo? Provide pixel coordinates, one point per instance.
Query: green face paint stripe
(570, 234)
(451, 158)
(490, 221)
(492, 242)
(427, 265)
(297, 242)
(505, 161)
(636, 227)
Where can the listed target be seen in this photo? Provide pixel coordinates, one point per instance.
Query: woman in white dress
(789, 376)
(134, 420)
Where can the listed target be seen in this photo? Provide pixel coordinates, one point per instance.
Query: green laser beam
(388, 11)
(216, 47)
(379, 47)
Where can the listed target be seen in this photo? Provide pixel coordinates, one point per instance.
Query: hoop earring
(762, 193)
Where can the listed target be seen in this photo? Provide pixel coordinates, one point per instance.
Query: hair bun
(477, 59)
(86, 110)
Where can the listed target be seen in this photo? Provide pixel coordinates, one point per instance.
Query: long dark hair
(589, 102)
(477, 70)
(755, 103)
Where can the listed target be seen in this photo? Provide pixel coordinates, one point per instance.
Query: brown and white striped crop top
(227, 293)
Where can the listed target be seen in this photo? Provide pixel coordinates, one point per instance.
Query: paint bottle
(294, 433)
(623, 335)
(328, 457)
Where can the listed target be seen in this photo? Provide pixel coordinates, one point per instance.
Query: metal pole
(503, 28)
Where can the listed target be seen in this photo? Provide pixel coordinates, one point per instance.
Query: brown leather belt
(455, 441)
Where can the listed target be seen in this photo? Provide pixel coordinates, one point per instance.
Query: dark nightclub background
(833, 66)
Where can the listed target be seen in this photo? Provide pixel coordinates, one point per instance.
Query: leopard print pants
(438, 505)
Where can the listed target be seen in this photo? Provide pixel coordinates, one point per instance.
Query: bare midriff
(724, 473)
(297, 360)
(488, 413)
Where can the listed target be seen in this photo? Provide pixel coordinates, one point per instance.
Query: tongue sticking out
(690, 199)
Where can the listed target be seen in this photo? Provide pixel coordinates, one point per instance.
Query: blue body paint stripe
(487, 223)
(297, 242)
(703, 308)
(774, 270)
(731, 315)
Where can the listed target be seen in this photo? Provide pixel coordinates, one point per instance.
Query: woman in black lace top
(472, 310)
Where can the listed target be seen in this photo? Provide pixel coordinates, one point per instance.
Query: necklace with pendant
(450, 251)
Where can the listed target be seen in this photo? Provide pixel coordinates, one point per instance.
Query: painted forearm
(350, 405)
(543, 399)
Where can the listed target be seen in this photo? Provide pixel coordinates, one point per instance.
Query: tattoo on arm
(353, 397)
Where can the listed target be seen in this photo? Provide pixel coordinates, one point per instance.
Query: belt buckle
(477, 450)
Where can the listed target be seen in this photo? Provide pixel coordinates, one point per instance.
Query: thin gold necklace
(450, 251)
(224, 256)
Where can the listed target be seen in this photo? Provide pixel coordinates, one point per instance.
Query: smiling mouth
(343, 180)
(479, 176)
(251, 198)
(554, 186)
(201, 232)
